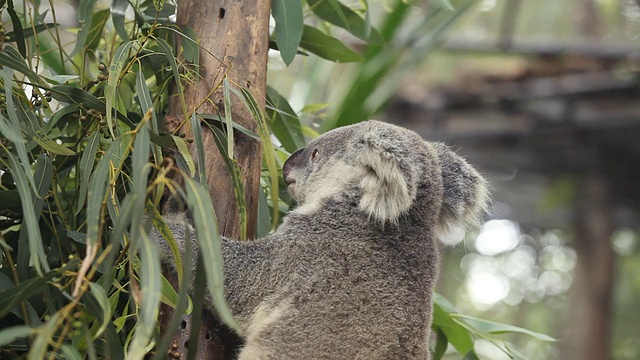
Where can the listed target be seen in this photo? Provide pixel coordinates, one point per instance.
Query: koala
(350, 272)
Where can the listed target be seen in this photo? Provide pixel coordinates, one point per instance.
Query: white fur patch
(263, 318)
(335, 179)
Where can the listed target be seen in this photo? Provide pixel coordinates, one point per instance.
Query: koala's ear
(465, 193)
(390, 177)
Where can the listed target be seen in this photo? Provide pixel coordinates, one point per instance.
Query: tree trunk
(237, 34)
(589, 326)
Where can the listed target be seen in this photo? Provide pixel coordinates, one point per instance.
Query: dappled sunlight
(497, 236)
(510, 267)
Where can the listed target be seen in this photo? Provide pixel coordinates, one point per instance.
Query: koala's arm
(247, 271)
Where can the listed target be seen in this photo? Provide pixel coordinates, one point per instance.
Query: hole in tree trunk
(221, 13)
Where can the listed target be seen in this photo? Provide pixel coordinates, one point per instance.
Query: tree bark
(237, 34)
(589, 326)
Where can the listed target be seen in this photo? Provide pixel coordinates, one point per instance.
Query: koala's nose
(288, 166)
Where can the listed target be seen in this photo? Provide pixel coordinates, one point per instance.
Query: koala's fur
(350, 272)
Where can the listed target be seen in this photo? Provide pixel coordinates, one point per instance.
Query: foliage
(83, 167)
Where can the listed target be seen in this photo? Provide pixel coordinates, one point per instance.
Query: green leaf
(8, 335)
(164, 230)
(490, 327)
(100, 295)
(169, 296)
(441, 345)
(14, 60)
(87, 160)
(340, 15)
(17, 28)
(11, 36)
(31, 287)
(445, 304)
(167, 50)
(289, 27)
(74, 95)
(12, 133)
(85, 16)
(118, 10)
(14, 110)
(284, 122)
(70, 352)
(227, 116)
(190, 46)
(456, 334)
(42, 176)
(118, 63)
(326, 47)
(236, 178)
(140, 160)
(30, 220)
(53, 120)
(45, 333)
(242, 129)
(38, 135)
(206, 226)
(150, 286)
(61, 79)
(269, 152)
(98, 185)
(183, 149)
(196, 128)
(446, 4)
(98, 22)
(471, 355)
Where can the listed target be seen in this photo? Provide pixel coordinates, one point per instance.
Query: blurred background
(542, 97)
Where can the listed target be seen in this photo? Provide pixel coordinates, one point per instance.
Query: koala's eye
(314, 154)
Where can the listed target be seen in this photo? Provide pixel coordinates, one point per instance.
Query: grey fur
(350, 273)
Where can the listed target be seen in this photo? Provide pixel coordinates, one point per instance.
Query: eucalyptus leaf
(269, 153)
(340, 15)
(119, 61)
(289, 27)
(284, 122)
(29, 32)
(206, 226)
(17, 28)
(87, 160)
(85, 15)
(14, 60)
(8, 335)
(118, 10)
(150, 286)
(456, 334)
(28, 288)
(491, 327)
(100, 295)
(326, 46)
(75, 95)
(446, 4)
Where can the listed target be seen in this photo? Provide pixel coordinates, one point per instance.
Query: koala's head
(391, 170)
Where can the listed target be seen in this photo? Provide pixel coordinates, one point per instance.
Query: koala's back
(352, 290)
